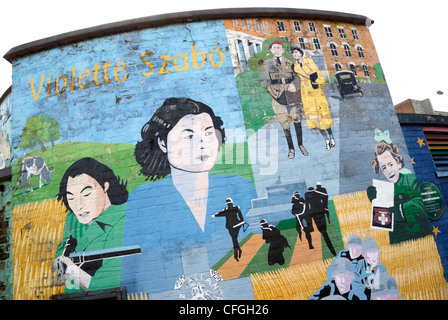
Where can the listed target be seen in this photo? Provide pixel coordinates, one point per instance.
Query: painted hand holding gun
(66, 269)
(82, 266)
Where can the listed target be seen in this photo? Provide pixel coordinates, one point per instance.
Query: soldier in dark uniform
(324, 198)
(303, 220)
(234, 222)
(284, 87)
(277, 243)
(317, 207)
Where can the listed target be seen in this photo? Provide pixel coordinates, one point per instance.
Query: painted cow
(34, 166)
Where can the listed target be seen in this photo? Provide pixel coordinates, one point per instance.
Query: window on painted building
(366, 70)
(241, 54)
(251, 48)
(347, 50)
(353, 69)
(355, 34)
(297, 26)
(338, 66)
(328, 32)
(249, 24)
(235, 22)
(342, 33)
(281, 26)
(257, 26)
(258, 46)
(301, 43)
(242, 24)
(262, 26)
(267, 28)
(334, 51)
(311, 26)
(316, 43)
(360, 52)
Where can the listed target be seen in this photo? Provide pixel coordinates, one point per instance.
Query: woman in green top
(95, 200)
(410, 220)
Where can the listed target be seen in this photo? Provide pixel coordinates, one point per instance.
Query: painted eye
(189, 137)
(86, 195)
(208, 133)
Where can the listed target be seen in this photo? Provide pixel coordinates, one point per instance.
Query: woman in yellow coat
(314, 101)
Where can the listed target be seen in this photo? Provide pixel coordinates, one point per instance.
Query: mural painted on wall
(314, 102)
(174, 172)
(5, 132)
(95, 200)
(181, 142)
(397, 205)
(284, 86)
(357, 274)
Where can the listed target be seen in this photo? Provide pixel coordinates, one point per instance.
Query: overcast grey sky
(407, 34)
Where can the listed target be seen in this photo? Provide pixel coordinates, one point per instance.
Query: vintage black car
(347, 83)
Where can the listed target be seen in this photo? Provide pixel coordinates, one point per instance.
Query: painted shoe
(291, 154)
(332, 143)
(304, 151)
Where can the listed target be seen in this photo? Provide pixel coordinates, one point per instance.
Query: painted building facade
(185, 156)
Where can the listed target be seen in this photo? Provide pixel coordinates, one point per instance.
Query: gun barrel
(80, 257)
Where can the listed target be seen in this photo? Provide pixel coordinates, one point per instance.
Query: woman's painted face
(296, 54)
(389, 166)
(193, 143)
(86, 197)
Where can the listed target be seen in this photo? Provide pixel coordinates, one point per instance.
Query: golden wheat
(414, 264)
(37, 229)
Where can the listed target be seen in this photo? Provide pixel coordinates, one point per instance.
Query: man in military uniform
(317, 207)
(339, 286)
(303, 221)
(277, 243)
(234, 222)
(284, 87)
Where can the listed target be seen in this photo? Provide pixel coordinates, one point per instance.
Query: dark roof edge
(5, 94)
(179, 17)
(422, 119)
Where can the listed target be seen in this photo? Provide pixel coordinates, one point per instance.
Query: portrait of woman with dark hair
(180, 145)
(151, 153)
(95, 200)
(410, 220)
